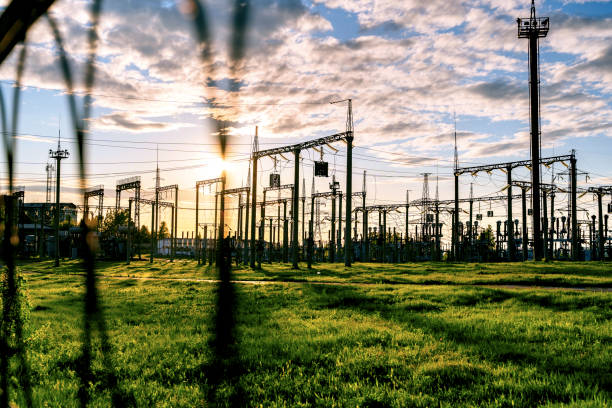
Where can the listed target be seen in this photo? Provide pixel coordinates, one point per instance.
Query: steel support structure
(525, 231)
(295, 149)
(339, 234)
(599, 192)
(534, 28)
(154, 203)
(511, 243)
(295, 208)
(544, 221)
(97, 191)
(508, 167)
(348, 242)
(128, 249)
(276, 188)
(239, 227)
(200, 184)
(574, 210)
(130, 183)
(455, 223)
(174, 216)
(58, 155)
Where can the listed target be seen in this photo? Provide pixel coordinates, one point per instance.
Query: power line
(202, 101)
(66, 139)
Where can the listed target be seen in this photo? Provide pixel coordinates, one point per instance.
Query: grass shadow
(491, 341)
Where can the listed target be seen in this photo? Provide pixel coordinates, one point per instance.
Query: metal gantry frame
(432, 205)
(383, 209)
(333, 195)
(328, 194)
(296, 149)
(546, 190)
(507, 167)
(130, 183)
(155, 203)
(95, 191)
(200, 184)
(599, 192)
(238, 191)
(276, 202)
(173, 232)
(278, 188)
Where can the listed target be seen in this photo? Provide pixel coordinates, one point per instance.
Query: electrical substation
(273, 218)
(306, 203)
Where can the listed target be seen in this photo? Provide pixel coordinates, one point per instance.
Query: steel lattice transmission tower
(425, 203)
(348, 244)
(49, 192)
(534, 28)
(254, 198)
(455, 215)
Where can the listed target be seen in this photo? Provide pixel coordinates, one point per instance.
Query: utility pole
(545, 223)
(384, 235)
(471, 221)
(58, 155)
(455, 232)
(574, 209)
(296, 206)
(156, 212)
(311, 225)
(303, 212)
(510, 232)
(534, 28)
(364, 238)
(128, 250)
(197, 236)
(551, 237)
(407, 221)
(254, 198)
(152, 232)
(332, 241)
(175, 222)
(246, 223)
(339, 240)
(438, 257)
(525, 243)
(600, 247)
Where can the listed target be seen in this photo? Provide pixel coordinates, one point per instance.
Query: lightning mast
(58, 155)
(534, 28)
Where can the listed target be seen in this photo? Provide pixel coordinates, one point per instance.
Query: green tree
(112, 222)
(488, 237)
(163, 230)
(144, 233)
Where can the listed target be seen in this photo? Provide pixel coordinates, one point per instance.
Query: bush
(15, 307)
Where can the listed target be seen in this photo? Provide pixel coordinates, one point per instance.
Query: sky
(417, 73)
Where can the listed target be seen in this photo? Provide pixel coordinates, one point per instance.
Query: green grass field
(393, 335)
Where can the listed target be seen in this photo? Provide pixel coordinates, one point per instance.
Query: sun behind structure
(213, 167)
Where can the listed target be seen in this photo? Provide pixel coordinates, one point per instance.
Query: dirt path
(358, 284)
